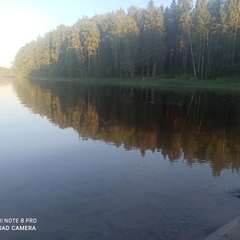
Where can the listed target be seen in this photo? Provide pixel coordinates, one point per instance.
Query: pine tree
(234, 23)
(154, 35)
(202, 24)
(184, 8)
(172, 36)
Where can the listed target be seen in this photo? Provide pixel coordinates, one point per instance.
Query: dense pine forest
(201, 40)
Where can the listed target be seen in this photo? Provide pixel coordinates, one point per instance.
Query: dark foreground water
(114, 163)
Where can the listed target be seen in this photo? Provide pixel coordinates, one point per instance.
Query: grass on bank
(177, 82)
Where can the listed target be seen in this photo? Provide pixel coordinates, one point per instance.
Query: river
(98, 162)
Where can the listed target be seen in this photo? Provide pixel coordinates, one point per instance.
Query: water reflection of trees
(198, 126)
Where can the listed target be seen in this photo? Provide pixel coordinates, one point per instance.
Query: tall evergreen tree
(172, 36)
(185, 20)
(154, 34)
(234, 23)
(202, 24)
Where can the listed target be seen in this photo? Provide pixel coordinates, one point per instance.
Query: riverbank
(181, 82)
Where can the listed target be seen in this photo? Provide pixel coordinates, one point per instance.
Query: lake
(86, 161)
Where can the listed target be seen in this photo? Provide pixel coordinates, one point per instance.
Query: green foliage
(181, 39)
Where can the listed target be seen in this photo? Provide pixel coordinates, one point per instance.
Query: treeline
(5, 72)
(202, 41)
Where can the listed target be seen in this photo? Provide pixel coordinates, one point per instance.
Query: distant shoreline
(6, 72)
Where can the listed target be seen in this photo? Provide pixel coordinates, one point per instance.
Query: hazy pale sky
(22, 21)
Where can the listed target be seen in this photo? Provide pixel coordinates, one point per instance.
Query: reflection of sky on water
(27, 134)
(82, 189)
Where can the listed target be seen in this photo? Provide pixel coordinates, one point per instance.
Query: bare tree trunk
(148, 69)
(203, 56)
(199, 58)
(208, 69)
(154, 68)
(170, 61)
(99, 58)
(89, 63)
(234, 45)
(191, 48)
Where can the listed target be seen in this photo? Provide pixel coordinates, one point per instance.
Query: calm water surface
(104, 162)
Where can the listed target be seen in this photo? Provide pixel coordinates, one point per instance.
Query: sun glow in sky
(17, 26)
(22, 21)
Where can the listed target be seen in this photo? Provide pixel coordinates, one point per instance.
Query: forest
(202, 41)
(5, 72)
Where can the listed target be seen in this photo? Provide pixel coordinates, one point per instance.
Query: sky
(22, 21)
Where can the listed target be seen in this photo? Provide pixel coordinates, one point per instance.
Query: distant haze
(22, 21)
